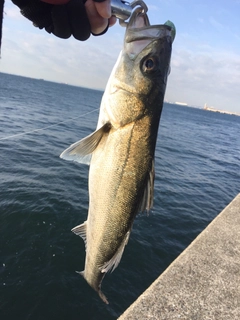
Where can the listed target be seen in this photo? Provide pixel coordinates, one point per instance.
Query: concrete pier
(203, 283)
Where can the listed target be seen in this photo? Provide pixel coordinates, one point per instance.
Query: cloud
(28, 51)
(12, 12)
(40, 55)
(152, 7)
(201, 73)
(217, 25)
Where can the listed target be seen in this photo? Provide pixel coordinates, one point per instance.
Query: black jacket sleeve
(1, 20)
(61, 20)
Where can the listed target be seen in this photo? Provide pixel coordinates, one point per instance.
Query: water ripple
(42, 197)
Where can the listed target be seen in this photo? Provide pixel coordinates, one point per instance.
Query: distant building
(181, 103)
(217, 110)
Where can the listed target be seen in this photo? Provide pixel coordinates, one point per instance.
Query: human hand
(98, 12)
(99, 15)
(64, 18)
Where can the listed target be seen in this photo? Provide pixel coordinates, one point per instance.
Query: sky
(205, 65)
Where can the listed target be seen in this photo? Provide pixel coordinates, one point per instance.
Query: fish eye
(149, 64)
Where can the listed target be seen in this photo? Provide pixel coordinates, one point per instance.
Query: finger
(112, 21)
(97, 22)
(104, 9)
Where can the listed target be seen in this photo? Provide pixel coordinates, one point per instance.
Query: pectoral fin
(114, 262)
(147, 199)
(81, 150)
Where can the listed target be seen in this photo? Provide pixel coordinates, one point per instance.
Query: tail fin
(101, 295)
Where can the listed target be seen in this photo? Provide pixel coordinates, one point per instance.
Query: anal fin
(81, 230)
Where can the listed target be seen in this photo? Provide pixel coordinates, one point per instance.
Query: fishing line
(41, 129)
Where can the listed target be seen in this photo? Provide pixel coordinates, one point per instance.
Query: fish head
(147, 52)
(138, 80)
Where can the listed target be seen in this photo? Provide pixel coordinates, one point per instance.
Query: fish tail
(100, 293)
(102, 296)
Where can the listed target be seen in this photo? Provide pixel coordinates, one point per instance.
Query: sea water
(42, 197)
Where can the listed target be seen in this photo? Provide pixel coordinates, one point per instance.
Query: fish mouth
(139, 33)
(121, 86)
(139, 28)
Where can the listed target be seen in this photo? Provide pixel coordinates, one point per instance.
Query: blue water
(42, 197)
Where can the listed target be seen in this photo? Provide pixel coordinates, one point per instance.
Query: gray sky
(205, 64)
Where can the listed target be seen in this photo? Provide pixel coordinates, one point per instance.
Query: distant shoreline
(220, 111)
(184, 104)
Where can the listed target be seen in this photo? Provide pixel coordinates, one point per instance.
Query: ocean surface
(42, 197)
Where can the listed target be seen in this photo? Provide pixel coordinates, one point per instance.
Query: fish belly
(117, 178)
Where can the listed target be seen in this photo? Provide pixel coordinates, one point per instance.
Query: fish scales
(120, 179)
(115, 194)
(122, 148)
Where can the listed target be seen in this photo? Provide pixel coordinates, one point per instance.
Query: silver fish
(121, 174)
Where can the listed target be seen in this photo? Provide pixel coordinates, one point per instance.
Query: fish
(121, 149)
